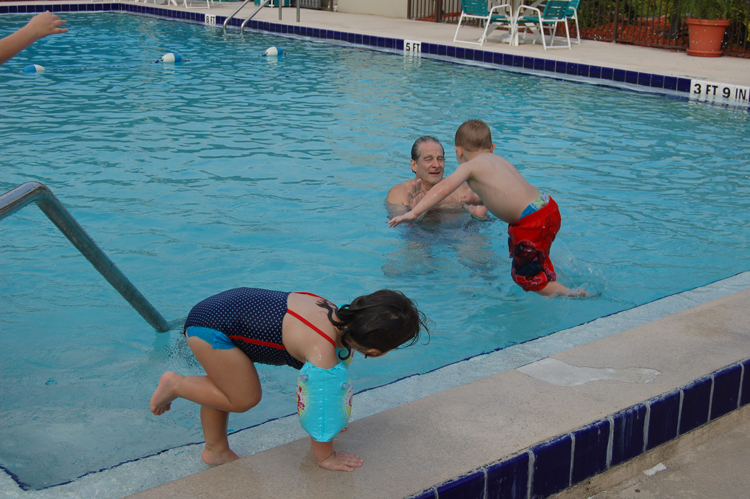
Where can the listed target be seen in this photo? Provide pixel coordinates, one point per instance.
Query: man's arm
(442, 190)
(41, 25)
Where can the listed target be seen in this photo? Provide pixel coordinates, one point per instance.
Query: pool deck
(424, 431)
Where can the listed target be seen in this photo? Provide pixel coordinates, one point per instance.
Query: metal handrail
(262, 4)
(34, 192)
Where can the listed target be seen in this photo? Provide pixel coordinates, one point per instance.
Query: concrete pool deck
(423, 431)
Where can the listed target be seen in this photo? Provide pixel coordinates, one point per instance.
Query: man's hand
(415, 193)
(477, 211)
(471, 197)
(341, 461)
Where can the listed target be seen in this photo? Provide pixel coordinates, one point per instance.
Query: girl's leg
(217, 449)
(231, 385)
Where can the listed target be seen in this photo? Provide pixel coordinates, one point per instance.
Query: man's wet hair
(474, 135)
(423, 140)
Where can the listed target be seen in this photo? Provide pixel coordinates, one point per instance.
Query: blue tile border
(663, 418)
(590, 450)
(563, 461)
(469, 486)
(726, 395)
(552, 466)
(509, 479)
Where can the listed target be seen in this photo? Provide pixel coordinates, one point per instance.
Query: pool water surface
(234, 169)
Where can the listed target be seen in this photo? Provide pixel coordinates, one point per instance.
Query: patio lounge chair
(497, 16)
(555, 11)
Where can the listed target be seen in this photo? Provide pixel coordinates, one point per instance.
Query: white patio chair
(555, 11)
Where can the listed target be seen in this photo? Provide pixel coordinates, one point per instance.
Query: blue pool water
(233, 169)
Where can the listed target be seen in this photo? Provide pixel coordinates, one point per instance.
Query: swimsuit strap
(310, 324)
(308, 294)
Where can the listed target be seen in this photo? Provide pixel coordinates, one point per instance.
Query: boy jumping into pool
(532, 216)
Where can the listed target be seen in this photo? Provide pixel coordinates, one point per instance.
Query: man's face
(431, 164)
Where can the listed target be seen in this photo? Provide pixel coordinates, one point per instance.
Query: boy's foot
(212, 458)
(554, 288)
(164, 395)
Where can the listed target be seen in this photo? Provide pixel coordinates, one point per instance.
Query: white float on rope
(170, 57)
(33, 68)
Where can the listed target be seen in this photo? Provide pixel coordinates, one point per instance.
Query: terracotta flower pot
(706, 36)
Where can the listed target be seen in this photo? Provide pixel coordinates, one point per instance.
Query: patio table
(514, 6)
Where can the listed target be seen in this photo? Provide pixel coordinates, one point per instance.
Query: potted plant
(707, 21)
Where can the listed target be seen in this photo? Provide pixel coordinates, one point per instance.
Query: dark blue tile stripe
(568, 459)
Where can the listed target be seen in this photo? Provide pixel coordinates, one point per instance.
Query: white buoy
(272, 51)
(33, 68)
(170, 57)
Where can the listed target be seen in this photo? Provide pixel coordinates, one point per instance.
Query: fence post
(616, 22)
(438, 11)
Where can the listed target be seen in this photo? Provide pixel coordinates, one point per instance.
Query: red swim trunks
(529, 241)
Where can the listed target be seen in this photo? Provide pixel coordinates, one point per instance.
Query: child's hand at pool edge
(334, 460)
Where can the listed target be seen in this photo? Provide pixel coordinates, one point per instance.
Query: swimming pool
(234, 169)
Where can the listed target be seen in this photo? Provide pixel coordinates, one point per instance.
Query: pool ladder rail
(34, 192)
(263, 3)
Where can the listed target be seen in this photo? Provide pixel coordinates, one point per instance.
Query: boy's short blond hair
(474, 135)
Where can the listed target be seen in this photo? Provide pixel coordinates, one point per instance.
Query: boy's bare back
(498, 183)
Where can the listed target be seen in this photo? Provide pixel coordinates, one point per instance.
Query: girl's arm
(334, 460)
(441, 191)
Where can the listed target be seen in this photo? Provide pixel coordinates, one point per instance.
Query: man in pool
(533, 217)
(428, 164)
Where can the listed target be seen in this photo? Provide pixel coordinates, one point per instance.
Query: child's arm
(441, 191)
(334, 460)
(41, 25)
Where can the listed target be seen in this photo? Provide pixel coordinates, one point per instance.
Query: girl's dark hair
(384, 320)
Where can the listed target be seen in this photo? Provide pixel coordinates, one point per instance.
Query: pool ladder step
(34, 192)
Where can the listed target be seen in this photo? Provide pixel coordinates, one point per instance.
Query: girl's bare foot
(165, 393)
(213, 458)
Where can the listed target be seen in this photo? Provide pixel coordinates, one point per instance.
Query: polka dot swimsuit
(252, 319)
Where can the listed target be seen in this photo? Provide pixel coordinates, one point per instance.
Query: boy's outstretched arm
(334, 460)
(442, 190)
